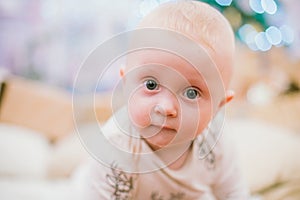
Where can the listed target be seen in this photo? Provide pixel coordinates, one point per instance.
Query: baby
(167, 138)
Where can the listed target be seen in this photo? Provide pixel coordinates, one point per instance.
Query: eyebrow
(142, 70)
(198, 82)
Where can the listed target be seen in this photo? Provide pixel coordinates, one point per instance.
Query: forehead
(157, 57)
(198, 69)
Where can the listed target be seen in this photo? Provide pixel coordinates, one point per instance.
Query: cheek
(195, 119)
(205, 116)
(139, 110)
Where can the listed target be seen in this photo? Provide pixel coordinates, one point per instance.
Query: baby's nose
(165, 110)
(167, 106)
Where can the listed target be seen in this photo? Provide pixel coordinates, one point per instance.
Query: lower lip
(166, 130)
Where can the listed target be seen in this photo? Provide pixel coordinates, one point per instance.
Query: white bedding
(27, 162)
(26, 189)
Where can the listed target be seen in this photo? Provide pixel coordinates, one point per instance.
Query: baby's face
(169, 100)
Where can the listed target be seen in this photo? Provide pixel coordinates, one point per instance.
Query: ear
(228, 97)
(122, 72)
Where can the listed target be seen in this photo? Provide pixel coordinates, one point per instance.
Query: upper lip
(166, 127)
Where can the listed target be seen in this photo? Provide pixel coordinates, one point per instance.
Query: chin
(157, 146)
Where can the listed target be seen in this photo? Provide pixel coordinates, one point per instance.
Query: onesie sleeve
(94, 185)
(101, 182)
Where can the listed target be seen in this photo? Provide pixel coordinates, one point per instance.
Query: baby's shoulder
(118, 131)
(214, 152)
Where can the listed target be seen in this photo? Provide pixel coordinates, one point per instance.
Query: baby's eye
(192, 93)
(151, 84)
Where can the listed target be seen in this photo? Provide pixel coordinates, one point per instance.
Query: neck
(175, 156)
(177, 164)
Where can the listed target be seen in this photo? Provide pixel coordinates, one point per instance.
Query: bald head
(201, 23)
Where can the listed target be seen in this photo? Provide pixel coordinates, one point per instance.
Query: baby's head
(169, 98)
(203, 24)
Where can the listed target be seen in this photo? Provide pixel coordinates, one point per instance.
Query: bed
(41, 153)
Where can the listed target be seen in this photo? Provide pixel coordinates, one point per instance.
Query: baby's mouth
(165, 128)
(168, 128)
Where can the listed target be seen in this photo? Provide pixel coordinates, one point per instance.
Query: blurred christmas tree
(258, 23)
(240, 12)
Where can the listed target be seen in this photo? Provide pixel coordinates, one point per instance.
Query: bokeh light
(244, 31)
(224, 2)
(287, 34)
(261, 6)
(256, 6)
(250, 40)
(262, 42)
(274, 35)
(269, 6)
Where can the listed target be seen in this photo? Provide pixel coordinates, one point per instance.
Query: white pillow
(23, 152)
(268, 154)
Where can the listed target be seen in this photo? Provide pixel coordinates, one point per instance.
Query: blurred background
(48, 40)
(43, 44)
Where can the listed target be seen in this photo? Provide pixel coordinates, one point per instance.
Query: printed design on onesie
(205, 152)
(121, 182)
(172, 196)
